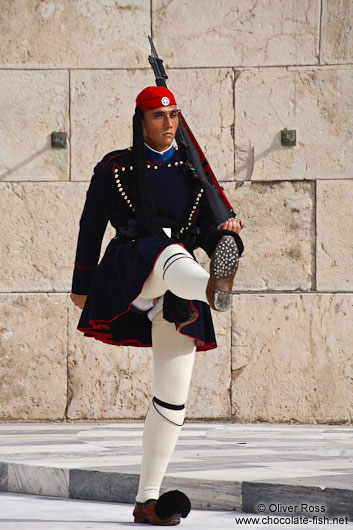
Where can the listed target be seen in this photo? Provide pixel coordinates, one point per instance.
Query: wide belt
(131, 232)
(189, 237)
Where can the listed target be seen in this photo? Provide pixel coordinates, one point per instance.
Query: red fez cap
(152, 97)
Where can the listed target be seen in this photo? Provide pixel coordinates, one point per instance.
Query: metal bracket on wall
(288, 138)
(58, 139)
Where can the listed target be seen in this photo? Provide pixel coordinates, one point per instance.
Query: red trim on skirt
(107, 338)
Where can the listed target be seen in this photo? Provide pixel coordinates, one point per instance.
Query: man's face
(159, 126)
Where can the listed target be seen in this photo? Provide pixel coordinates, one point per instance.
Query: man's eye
(161, 115)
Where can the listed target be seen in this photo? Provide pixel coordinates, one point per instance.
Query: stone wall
(241, 71)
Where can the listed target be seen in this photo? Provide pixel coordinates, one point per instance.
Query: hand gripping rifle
(195, 160)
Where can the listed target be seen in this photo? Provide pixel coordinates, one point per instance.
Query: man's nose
(168, 121)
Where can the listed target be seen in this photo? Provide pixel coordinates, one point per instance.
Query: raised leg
(175, 269)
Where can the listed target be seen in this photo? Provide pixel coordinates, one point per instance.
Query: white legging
(175, 269)
(173, 361)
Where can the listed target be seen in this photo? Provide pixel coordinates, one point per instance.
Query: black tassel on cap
(147, 220)
(175, 309)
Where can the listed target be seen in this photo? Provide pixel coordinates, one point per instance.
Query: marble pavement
(36, 512)
(221, 466)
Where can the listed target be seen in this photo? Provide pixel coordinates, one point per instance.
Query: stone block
(102, 107)
(4, 472)
(291, 358)
(279, 236)
(316, 102)
(206, 494)
(103, 103)
(334, 225)
(38, 480)
(205, 98)
(104, 381)
(33, 356)
(228, 33)
(337, 32)
(33, 104)
(103, 486)
(74, 34)
(40, 226)
(209, 397)
(330, 501)
(115, 382)
(112, 486)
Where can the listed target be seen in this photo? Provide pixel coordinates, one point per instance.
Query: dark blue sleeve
(210, 234)
(94, 219)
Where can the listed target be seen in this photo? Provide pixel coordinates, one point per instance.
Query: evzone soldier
(148, 289)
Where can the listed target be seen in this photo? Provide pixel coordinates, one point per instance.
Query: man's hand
(234, 225)
(78, 299)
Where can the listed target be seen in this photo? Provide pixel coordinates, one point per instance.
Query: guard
(148, 289)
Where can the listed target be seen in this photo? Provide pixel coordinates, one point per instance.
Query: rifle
(195, 160)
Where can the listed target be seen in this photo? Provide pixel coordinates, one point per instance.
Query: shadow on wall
(24, 162)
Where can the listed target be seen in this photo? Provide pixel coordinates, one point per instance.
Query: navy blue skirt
(117, 281)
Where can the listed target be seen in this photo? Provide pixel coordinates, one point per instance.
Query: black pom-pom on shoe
(173, 502)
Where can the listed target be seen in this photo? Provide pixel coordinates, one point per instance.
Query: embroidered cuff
(215, 235)
(82, 278)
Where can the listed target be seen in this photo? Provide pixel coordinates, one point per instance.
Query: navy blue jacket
(113, 284)
(109, 195)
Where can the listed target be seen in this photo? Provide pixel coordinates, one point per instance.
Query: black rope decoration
(175, 309)
(147, 220)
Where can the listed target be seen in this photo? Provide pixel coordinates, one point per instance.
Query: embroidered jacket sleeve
(94, 219)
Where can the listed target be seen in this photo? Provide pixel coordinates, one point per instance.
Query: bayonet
(157, 65)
